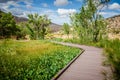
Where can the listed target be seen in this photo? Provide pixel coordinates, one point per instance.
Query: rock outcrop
(113, 27)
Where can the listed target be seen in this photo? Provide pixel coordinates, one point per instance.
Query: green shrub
(112, 49)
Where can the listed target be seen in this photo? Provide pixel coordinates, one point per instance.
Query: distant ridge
(20, 19)
(17, 19)
(53, 27)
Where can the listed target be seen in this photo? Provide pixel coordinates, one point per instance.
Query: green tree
(23, 30)
(8, 26)
(88, 22)
(66, 29)
(38, 25)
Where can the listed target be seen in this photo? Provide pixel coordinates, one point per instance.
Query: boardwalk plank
(87, 67)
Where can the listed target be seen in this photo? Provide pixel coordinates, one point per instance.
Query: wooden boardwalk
(87, 67)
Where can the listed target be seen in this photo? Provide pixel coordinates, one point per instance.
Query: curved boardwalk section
(87, 67)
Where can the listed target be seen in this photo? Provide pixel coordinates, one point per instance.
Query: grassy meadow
(33, 60)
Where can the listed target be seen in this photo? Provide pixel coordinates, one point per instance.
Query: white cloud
(12, 3)
(109, 14)
(103, 13)
(66, 11)
(114, 6)
(28, 6)
(59, 20)
(61, 2)
(28, 2)
(6, 5)
(24, 10)
(17, 9)
(102, 7)
(44, 4)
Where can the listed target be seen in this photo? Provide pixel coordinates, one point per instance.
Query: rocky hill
(114, 26)
(114, 22)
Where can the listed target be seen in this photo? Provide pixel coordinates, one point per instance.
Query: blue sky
(57, 10)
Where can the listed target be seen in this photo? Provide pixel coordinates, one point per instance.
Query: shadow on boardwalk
(86, 67)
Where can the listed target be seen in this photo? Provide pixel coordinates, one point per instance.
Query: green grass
(112, 52)
(33, 60)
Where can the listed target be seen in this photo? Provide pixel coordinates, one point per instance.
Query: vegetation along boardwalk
(86, 67)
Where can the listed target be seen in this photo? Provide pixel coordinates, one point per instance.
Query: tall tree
(8, 26)
(66, 29)
(88, 21)
(38, 25)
